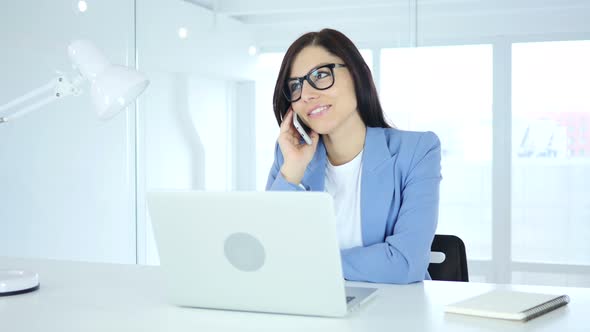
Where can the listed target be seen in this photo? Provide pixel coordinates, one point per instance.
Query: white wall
(187, 120)
(66, 178)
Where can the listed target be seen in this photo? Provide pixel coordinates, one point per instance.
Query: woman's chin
(321, 130)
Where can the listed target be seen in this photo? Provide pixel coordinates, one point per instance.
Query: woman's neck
(346, 141)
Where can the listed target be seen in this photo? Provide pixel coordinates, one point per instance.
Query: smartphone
(301, 128)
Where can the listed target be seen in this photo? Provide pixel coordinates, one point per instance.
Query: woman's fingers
(291, 143)
(286, 124)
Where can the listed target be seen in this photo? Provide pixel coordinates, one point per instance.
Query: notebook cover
(508, 305)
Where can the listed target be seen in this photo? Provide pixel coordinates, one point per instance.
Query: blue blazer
(399, 203)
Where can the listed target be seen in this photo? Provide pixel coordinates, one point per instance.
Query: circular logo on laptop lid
(245, 252)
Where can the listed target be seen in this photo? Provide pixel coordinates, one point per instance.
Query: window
(448, 90)
(551, 153)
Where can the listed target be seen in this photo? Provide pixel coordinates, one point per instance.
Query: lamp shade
(87, 58)
(113, 87)
(116, 88)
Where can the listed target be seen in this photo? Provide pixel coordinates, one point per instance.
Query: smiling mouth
(319, 111)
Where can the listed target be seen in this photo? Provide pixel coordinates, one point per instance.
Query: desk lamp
(112, 88)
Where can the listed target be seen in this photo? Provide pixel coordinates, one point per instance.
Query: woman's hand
(297, 155)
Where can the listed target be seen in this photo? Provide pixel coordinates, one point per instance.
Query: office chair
(448, 260)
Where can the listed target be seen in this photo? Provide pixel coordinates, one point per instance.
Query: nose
(308, 92)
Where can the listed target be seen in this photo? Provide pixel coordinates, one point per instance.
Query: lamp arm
(45, 88)
(30, 108)
(61, 86)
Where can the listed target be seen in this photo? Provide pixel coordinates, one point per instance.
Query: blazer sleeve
(404, 256)
(276, 181)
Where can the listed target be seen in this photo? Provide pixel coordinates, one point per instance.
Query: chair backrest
(454, 259)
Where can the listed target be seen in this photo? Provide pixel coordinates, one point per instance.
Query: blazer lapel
(377, 186)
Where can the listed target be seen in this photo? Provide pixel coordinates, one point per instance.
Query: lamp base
(14, 282)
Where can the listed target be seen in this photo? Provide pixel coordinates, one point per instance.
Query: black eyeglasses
(320, 78)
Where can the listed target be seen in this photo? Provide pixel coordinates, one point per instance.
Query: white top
(77, 296)
(343, 183)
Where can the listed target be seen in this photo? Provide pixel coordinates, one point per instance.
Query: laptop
(274, 252)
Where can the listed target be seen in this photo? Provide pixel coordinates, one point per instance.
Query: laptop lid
(254, 251)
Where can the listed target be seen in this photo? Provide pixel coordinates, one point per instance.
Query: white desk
(106, 297)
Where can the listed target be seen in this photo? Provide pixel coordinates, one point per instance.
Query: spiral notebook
(510, 305)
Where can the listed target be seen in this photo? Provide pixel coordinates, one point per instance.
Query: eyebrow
(312, 69)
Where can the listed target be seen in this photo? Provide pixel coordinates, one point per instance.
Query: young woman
(384, 181)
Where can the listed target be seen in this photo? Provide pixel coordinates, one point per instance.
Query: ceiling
(273, 11)
(400, 22)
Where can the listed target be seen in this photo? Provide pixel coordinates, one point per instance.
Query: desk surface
(108, 297)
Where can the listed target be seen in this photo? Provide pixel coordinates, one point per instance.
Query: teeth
(320, 109)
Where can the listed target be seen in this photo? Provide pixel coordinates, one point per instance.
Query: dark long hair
(339, 45)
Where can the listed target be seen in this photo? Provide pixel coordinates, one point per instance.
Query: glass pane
(267, 129)
(66, 177)
(551, 152)
(448, 90)
(187, 119)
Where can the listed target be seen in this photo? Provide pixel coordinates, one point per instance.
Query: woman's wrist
(292, 174)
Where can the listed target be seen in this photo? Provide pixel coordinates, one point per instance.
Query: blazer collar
(375, 153)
